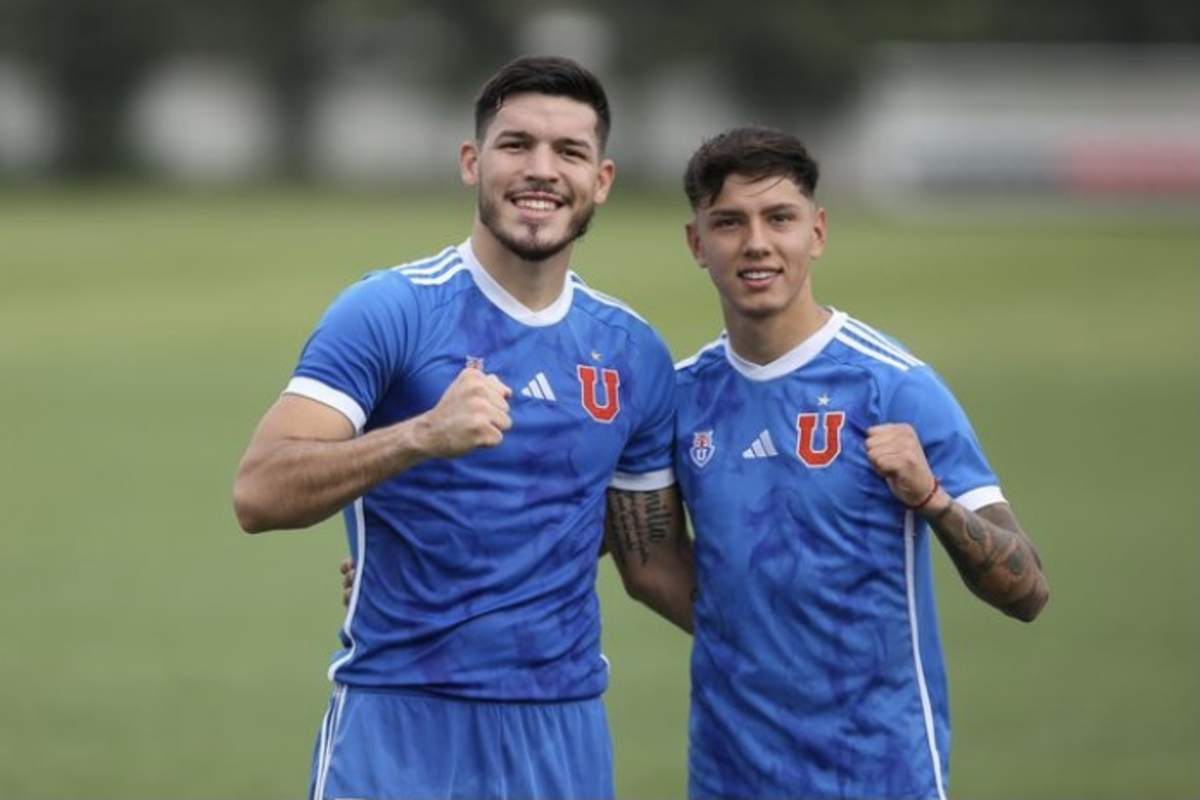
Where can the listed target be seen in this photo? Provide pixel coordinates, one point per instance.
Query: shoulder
(423, 280)
(855, 342)
(607, 310)
(890, 364)
(709, 358)
(904, 383)
(447, 268)
(603, 305)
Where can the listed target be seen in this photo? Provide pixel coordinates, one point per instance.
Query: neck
(762, 340)
(534, 284)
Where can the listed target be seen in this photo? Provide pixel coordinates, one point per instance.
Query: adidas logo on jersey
(761, 447)
(539, 388)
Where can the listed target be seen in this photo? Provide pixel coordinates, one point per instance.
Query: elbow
(646, 588)
(249, 521)
(1042, 599)
(251, 525)
(637, 587)
(669, 599)
(252, 515)
(1030, 607)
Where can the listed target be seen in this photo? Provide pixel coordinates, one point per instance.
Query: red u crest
(601, 409)
(806, 425)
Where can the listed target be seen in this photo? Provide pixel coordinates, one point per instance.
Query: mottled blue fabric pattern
(817, 669)
(476, 574)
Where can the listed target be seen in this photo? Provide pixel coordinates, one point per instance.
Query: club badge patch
(702, 447)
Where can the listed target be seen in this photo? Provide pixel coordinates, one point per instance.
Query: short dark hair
(550, 75)
(753, 151)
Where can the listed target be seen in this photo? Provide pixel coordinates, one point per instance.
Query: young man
(817, 457)
(469, 413)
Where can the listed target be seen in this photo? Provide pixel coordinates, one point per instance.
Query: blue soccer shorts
(389, 745)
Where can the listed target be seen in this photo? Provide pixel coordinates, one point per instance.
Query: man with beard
(475, 415)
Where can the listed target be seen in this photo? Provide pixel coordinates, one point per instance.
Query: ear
(604, 180)
(468, 163)
(820, 231)
(690, 232)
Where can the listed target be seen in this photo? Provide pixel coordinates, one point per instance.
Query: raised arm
(995, 558)
(646, 532)
(304, 463)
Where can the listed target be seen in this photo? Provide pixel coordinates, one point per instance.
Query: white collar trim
(499, 296)
(792, 360)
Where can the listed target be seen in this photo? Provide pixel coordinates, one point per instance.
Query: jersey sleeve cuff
(978, 498)
(338, 401)
(645, 482)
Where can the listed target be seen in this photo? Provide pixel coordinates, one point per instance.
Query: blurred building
(966, 127)
(955, 126)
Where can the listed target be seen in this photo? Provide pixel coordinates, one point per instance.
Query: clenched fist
(897, 455)
(472, 413)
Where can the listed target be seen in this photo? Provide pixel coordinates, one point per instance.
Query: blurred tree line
(93, 52)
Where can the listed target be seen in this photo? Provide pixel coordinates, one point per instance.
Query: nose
(540, 164)
(756, 244)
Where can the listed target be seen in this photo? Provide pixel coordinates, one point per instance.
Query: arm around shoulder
(646, 532)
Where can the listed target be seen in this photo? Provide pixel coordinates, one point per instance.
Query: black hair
(550, 75)
(755, 152)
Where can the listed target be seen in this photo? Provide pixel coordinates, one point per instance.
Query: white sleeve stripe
(338, 401)
(860, 347)
(440, 279)
(873, 337)
(429, 266)
(646, 482)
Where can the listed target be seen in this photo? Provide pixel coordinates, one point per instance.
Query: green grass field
(150, 650)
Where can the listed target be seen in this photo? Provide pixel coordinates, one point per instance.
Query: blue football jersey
(476, 575)
(817, 669)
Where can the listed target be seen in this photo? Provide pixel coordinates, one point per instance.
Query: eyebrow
(526, 136)
(771, 209)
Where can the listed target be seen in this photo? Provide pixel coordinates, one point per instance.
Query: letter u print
(603, 408)
(806, 426)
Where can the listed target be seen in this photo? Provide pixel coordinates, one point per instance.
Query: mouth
(537, 202)
(758, 275)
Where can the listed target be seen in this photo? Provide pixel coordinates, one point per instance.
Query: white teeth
(757, 274)
(537, 205)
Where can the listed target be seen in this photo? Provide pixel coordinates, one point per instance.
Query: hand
(896, 454)
(472, 413)
(347, 580)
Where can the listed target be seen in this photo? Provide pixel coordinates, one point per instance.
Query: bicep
(639, 523)
(294, 417)
(275, 480)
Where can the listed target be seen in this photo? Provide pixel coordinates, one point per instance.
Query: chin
(533, 249)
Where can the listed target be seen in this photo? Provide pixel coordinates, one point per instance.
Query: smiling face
(757, 238)
(540, 173)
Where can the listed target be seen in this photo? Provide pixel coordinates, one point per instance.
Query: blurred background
(913, 101)
(1013, 190)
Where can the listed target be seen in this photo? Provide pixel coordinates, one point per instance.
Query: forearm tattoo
(639, 521)
(994, 557)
